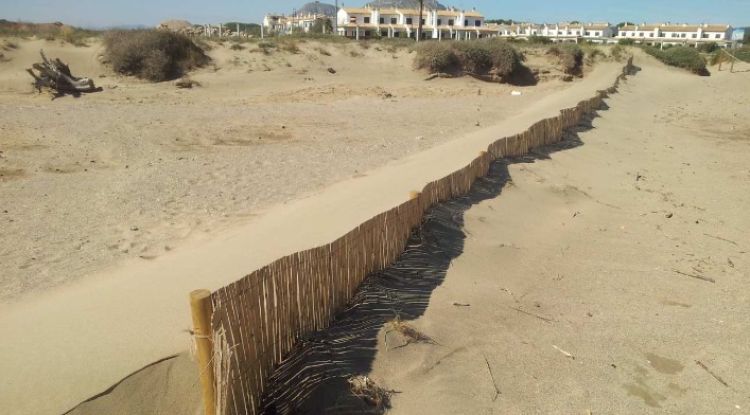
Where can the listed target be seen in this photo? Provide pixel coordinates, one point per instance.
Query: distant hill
(317, 8)
(406, 4)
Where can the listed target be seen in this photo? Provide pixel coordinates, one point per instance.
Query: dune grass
(681, 57)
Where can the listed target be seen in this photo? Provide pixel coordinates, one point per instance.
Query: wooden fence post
(202, 309)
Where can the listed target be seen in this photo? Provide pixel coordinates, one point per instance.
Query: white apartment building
(282, 24)
(683, 34)
(456, 24)
(572, 32)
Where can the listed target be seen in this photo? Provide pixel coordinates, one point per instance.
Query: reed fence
(255, 322)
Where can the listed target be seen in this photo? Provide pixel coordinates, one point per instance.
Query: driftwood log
(55, 76)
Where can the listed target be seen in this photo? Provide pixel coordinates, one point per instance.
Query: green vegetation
(626, 42)
(708, 47)
(500, 21)
(742, 53)
(322, 26)
(152, 55)
(571, 57)
(681, 57)
(480, 57)
(539, 40)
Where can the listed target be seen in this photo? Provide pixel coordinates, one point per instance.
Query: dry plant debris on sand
(366, 389)
(409, 333)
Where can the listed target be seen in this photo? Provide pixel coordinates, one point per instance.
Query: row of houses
(283, 24)
(367, 22)
(460, 24)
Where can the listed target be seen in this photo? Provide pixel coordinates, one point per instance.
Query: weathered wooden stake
(202, 309)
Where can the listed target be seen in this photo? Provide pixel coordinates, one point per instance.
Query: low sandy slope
(88, 336)
(138, 169)
(611, 278)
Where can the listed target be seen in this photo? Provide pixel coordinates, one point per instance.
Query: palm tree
(419, 28)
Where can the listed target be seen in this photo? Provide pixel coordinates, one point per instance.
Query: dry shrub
(492, 56)
(571, 57)
(290, 46)
(617, 52)
(152, 55)
(592, 53)
(266, 47)
(371, 393)
(475, 57)
(323, 51)
(436, 57)
(237, 46)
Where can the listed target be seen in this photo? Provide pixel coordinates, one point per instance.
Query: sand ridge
(141, 305)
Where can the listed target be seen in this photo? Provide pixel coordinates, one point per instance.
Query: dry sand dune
(574, 304)
(132, 172)
(128, 190)
(610, 278)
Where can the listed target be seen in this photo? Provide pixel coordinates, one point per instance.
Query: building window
(694, 35)
(650, 35)
(450, 22)
(718, 36)
(353, 19)
(367, 20)
(477, 23)
(440, 22)
(705, 36)
(423, 21)
(409, 20)
(597, 33)
(683, 34)
(394, 20)
(382, 20)
(466, 22)
(640, 34)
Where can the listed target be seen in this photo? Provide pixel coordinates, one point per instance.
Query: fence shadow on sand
(314, 378)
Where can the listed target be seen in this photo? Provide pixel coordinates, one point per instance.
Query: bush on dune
(571, 58)
(436, 57)
(479, 57)
(680, 57)
(153, 55)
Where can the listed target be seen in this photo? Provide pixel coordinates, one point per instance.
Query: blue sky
(103, 13)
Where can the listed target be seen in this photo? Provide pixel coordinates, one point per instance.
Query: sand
(132, 310)
(128, 310)
(576, 273)
(133, 172)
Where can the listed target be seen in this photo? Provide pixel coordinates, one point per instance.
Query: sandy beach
(134, 171)
(607, 277)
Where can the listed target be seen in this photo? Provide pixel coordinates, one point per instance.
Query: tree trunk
(419, 27)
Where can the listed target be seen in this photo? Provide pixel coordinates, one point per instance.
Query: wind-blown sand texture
(136, 171)
(116, 342)
(258, 320)
(124, 317)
